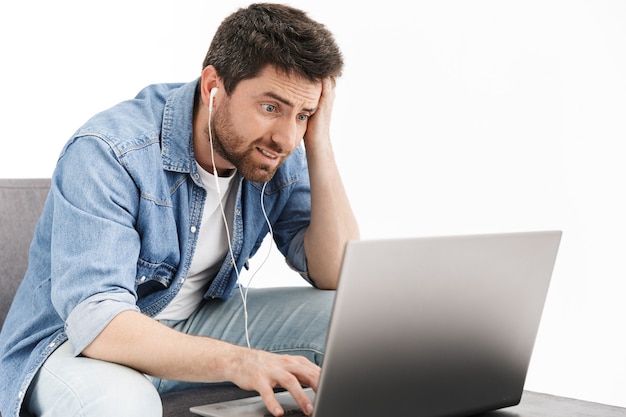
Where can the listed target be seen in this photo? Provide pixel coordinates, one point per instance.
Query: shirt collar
(177, 129)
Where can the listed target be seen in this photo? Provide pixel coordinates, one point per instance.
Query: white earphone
(211, 96)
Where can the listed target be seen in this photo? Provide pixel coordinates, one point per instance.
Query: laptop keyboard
(296, 412)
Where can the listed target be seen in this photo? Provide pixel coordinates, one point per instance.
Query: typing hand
(263, 371)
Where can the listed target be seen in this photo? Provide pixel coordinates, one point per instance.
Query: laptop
(428, 327)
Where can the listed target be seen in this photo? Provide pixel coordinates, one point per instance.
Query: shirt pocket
(152, 277)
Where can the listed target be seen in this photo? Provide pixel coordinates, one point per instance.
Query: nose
(286, 134)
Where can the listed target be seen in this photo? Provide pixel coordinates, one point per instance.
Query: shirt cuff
(296, 258)
(91, 316)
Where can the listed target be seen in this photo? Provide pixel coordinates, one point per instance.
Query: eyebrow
(287, 102)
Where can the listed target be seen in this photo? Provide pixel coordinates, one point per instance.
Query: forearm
(332, 220)
(142, 343)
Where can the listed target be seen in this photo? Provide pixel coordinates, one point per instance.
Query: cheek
(230, 129)
(248, 127)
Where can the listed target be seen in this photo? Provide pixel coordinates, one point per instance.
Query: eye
(303, 117)
(270, 108)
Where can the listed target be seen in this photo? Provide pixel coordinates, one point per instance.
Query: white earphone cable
(243, 293)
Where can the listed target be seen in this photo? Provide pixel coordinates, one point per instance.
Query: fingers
(270, 401)
(328, 96)
(318, 129)
(293, 373)
(301, 398)
(328, 88)
(263, 371)
(298, 394)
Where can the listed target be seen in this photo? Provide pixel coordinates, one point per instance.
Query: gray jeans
(292, 320)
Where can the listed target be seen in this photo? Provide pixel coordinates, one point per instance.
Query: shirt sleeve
(296, 257)
(94, 245)
(294, 220)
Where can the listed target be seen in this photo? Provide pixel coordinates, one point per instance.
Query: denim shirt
(119, 230)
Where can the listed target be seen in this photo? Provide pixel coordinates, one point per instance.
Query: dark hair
(275, 34)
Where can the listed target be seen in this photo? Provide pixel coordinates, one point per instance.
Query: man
(157, 204)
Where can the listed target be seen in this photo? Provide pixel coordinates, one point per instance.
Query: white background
(452, 117)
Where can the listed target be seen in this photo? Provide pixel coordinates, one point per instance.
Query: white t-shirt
(211, 247)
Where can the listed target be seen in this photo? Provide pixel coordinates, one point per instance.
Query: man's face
(261, 123)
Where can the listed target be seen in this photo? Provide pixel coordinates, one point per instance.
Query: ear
(208, 81)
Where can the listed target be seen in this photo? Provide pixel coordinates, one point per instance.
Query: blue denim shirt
(119, 230)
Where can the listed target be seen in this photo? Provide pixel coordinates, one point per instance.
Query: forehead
(298, 90)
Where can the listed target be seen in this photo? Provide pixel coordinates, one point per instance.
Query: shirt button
(193, 229)
(20, 394)
(142, 279)
(51, 345)
(182, 280)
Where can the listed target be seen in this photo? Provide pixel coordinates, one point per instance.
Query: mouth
(269, 155)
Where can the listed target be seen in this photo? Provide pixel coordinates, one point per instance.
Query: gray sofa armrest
(21, 203)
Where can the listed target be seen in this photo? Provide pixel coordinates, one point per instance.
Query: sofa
(21, 203)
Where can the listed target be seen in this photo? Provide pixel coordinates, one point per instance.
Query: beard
(233, 147)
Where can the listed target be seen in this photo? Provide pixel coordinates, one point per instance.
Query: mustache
(269, 145)
(258, 142)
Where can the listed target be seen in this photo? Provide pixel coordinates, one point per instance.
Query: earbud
(211, 96)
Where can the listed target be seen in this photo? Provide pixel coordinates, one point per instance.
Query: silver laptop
(441, 326)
